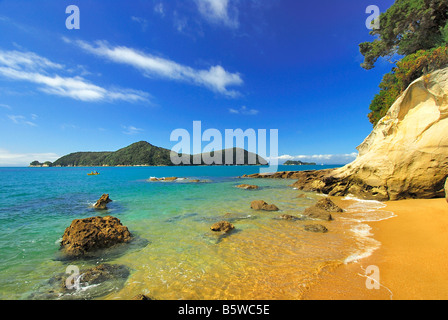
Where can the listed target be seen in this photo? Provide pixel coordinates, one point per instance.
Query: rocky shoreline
(404, 157)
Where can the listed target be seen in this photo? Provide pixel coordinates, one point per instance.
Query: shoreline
(410, 262)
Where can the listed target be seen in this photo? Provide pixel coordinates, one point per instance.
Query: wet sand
(411, 263)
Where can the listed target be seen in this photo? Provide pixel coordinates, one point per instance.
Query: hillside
(142, 154)
(298, 163)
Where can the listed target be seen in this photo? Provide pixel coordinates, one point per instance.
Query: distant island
(298, 163)
(142, 154)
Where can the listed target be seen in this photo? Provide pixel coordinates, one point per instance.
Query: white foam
(362, 211)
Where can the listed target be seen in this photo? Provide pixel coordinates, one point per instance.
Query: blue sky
(137, 70)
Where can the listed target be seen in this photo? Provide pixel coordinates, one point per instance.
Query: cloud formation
(320, 158)
(216, 78)
(8, 158)
(22, 120)
(30, 67)
(131, 130)
(244, 111)
(219, 12)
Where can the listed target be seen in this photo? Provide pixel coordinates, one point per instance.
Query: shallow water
(175, 255)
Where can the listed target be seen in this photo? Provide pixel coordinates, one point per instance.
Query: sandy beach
(410, 264)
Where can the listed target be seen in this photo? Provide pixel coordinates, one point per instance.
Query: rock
(153, 179)
(262, 205)
(247, 187)
(328, 205)
(84, 236)
(170, 179)
(301, 195)
(102, 202)
(222, 226)
(102, 273)
(318, 214)
(316, 228)
(84, 285)
(270, 207)
(257, 204)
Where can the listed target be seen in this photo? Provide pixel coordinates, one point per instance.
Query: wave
(362, 211)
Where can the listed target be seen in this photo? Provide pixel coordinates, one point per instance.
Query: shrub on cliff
(407, 70)
(407, 27)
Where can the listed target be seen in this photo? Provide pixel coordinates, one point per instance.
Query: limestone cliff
(405, 156)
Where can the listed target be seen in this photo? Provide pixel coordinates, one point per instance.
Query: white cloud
(131, 130)
(22, 120)
(143, 22)
(219, 12)
(5, 106)
(319, 158)
(159, 9)
(216, 78)
(244, 111)
(35, 69)
(8, 158)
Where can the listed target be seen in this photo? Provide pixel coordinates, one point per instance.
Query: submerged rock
(318, 228)
(317, 213)
(102, 202)
(87, 235)
(85, 284)
(247, 187)
(288, 217)
(222, 226)
(262, 205)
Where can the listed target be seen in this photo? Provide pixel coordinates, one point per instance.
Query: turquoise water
(175, 255)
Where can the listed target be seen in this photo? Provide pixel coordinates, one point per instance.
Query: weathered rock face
(405, 156)
(102, 202)
(87, 235)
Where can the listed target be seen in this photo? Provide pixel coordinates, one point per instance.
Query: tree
(407, 27)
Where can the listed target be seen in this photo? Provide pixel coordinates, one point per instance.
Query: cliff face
(405, 156)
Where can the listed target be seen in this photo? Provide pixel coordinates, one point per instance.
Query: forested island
(298, 163)
(145, 154)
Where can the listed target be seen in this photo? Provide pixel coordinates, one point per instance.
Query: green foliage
(407, 70)
(407, 27)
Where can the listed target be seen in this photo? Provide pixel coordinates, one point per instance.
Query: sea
(174, 254)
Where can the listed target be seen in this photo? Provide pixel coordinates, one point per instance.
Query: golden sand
(410, 264)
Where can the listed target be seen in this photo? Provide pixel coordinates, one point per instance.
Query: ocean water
(174, 254)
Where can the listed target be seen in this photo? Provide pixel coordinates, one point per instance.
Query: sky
(138, 70)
